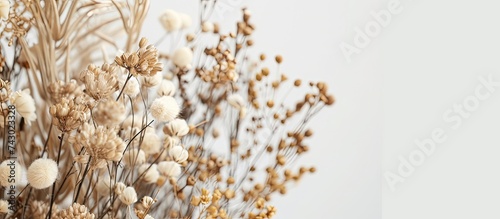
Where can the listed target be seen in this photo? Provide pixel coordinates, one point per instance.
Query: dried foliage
(196, 131)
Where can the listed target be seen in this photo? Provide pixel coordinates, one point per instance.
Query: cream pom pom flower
(134, 157)
(42, 173)
(132, 88)
(207, 26)
(183, 57)
(4, 9)
(128, 196)
(25, 105)
(165, 109)
(236, 101)
(119, 187)
(177, 127)
(149, 173)
(186, 20)
(151, 143)
(171, 20)
(166, 88)
(169, 168)
(178, 154)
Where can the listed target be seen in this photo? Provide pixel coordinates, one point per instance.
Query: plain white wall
(347, 144)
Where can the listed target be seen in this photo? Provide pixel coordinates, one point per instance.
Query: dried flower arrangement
(192, 132)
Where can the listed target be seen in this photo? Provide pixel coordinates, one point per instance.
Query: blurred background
(401, 70)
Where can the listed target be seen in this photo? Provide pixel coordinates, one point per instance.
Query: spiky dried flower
(68, 114)
(101, 144)
(76, 210)
(100, 82)
(142, 62)
(102, 114)
(59, 89)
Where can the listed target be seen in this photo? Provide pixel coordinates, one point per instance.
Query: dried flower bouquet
(195, 131)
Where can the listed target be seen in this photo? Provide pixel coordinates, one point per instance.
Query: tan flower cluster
(101, 144)
(59, 90)
(100, 82)
(142, 62)
(75, 211)
(68, 114)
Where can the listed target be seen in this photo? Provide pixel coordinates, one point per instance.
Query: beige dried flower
(119, 187)
(25, 105)
(4, 9)
(101, 144)
(76, 210)
(149, 173)
(134, 157)
(143, 62)
(151, 81)
(100, 82)
(169, 169)
(132, 88)
(4, 207)
(40, 209)
(42, 173)
(128, 196)
(207, 26)
(183, 57)
(68, 115)
(178, 154)
(186, 20)
(59, 89)
(164, 109)
(151, 143)
(177, 128)
(166, 88)
(171, 20)
(109, 113)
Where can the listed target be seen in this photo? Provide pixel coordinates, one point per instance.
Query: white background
(393, 92)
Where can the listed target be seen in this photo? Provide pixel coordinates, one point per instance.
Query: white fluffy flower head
(128, 196)
(169, 169)
(42, 173)
(166, 88)
(165, 109)
(186, 20)
(4, 9)
(171, 20)
(178, 154)
(177, 127)
(236, 101)
(4, 207)
(25, 105)
(149, 173)
(183, 57)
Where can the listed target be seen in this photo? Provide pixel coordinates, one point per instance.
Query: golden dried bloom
(5, 91)
(25, 105)
(142, 62)
(102, 143)
(75, 211)
(109, 113)
(59, 89)
(147, 202)
(68, 115)
(100, 82)
(205, 197)
(195, 200)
